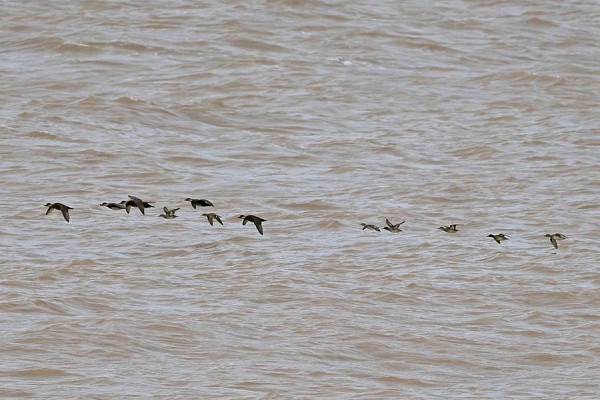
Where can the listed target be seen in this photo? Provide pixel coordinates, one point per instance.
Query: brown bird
(114, 206)
(554, 237)
(257, 221)
(449, 228)
(169, 214)
(392, 227)
(61, 207)
(200, 202)
(212, 216)
(370, 226)
(137, 202)
(499, 237)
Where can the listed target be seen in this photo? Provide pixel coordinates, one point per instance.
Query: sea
(317, 116)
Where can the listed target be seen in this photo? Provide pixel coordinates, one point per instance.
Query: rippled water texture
(316, 116)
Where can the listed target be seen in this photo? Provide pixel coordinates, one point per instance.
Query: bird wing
(139, 203)
(65, 213)
(258, 224)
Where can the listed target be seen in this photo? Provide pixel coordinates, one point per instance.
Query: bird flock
(168, 213)
(498, 238)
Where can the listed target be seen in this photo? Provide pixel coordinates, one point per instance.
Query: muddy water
(317, 116)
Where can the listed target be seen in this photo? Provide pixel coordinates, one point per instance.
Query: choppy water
(317, 116)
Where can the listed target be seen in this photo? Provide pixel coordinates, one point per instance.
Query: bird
(169, 214)
(392, 227)
(499, 237)
(200, 202)
(449, 228)
(137, 202)
(370, 226)
(212, 216)
(554, 237)
(61, 207)
(257, 221)
(114, 206)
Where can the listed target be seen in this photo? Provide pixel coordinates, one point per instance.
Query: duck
(392, 227)
(256, 220)
(61, 207)
(199, 202)
(212, 216)
(113, 206)
(370, 226)
(449, 228)
(499, 237)
(169, 214)
(554, 237)
(137, 202)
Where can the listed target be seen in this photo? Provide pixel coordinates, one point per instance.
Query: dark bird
(554, 238)
(212, 216)
(499, 237)
(114, 206)
(257, 221)
(169, 214)
(449, 228)
(392, 227)
(61, 207)
(200, 202)
(370, 226)
(136, 202)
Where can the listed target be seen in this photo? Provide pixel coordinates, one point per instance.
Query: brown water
(317, 116)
